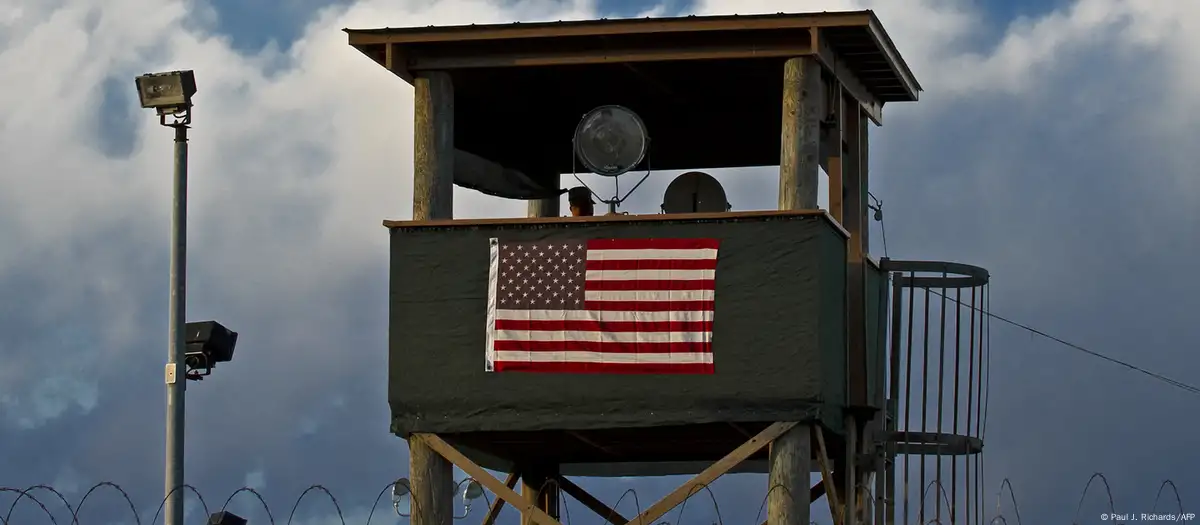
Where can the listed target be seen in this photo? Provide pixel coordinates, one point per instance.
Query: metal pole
(176, 378)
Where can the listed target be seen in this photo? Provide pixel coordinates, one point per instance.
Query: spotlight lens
(610, 140)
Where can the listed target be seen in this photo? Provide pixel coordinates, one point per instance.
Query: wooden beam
(599, 54)
(834, 162)
(590, 501)
(861, 95)
(827, 475)
(394, 61)
(710, 474)
(539, 488)
(790, 466)
(850, 467)
(433, 148)
(658, 217)
(484, 478)
(864, 182)
(855, 222)
(432, 482)
(800, 136)
(610, 27)
(498, 505)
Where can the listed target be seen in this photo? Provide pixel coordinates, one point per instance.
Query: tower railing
(938, 391)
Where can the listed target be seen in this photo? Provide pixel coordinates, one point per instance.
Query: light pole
(196, 347)
(170, 94)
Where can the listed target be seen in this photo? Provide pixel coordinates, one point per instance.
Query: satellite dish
(611, 140)
(695, 192)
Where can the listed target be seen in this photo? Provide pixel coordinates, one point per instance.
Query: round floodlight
(400, 489)
(473, 491)
(695, 192)
(611, 140)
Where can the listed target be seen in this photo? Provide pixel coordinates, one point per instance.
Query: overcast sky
(1055, 145)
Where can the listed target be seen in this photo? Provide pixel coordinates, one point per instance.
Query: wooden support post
(864, 157)
(498, 505)
(433, 148)
(790, 464)
(854, 213)
(800, 137)
(539, 488)
(814, 494)
(835, 151)
(850, 468)
(432, 483)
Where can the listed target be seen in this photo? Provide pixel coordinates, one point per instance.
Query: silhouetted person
(580, 199)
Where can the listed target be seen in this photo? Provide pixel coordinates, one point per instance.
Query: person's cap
(580, 194)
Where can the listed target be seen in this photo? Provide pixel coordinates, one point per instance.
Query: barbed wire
(31, 494)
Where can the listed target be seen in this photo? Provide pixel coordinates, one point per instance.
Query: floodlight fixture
(169, 94)
(611, 140)
(695, 192)
(400, 489)
(225, 518)
(470, 492)
(208, 343)
(877, 207)
(473, 490)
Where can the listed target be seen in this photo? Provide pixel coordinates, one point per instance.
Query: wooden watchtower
(798, 332)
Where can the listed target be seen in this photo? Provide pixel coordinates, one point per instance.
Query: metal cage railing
(937, 384)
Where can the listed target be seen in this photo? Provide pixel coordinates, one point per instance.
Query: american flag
(602, 305)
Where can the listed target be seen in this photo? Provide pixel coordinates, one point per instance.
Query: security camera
(208, 343)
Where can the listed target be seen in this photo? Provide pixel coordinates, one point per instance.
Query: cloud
(1054, 150)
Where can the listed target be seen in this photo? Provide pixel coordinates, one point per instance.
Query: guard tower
(787, 310)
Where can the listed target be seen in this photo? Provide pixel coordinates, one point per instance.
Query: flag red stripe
(653, 244)
(605, 326)
(648, 306)
(651, 264)
(571, 367)
(604, 347)
(600, 285)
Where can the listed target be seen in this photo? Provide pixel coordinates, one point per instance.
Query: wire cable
(1192, 389)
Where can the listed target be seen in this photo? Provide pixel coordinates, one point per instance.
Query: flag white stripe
(603, 337)
(628, 255)
(605, 357)
(604, 316)
(649, 295)
(632, 275)
(493, 277)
